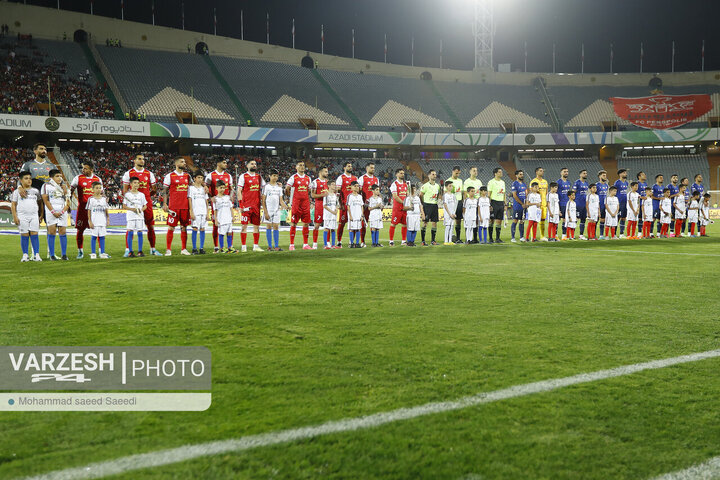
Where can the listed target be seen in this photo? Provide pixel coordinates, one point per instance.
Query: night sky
(540, 23)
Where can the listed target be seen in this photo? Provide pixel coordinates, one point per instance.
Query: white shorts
(665, 219)
(702, 222)
(679, 216)
(28, 224)
(571, 224)
(200, 222)
(449, 222)
(225, 229)
(692, 218)
(632, 217)
(330, 223)
(593, 216)
(135, 225)
(470, 222)
(611, 221)
(51, 219)
(649, 219)
(98, 231)
(376, 224)
(413, 223)
(355, 224)
(553, 218)
(274, 216)
(485, 223)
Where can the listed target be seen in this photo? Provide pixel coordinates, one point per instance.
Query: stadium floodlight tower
(483, 33)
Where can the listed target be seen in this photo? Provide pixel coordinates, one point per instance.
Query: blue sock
(202, 238)
(102, 244)
(268, 234)
(522, 230)
(93, 242)
(352, 236)
(35, 239)
(622, 227)
(229, 240)
(140, 241)
(513, 226)
(325, 235)
(222, 241)
(582, 228)
(332, 237)
(63, 244)
(51, 244)
(130, 235)
(276, 237)
(194, 239)
(485, 232)
(25, 244)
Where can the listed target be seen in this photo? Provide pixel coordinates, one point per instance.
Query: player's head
(571, 195)
(199, 177)
(347, 167)
(139, 160)
(332, 188)
(682, 187)
(323, 172)
(602, 175)
(519, 175)
(564, 172)
(706, 197)
(622, 173)
(471, 191)
(220, 187)
(666, 191)
(56, 175)
(698, 178)
(583, 174)
(300, 167)
(483, 191)
(370, 168)
(473, 172)
(96, 188)
(448, 186)
(376, 190)
(87, 167)
(648, 191)
(634, 186)
(659, 179)
(455, 172)
(432, 175)
(40, 150)
(592, 188)
(400, 174)
(25, 179)
(498, 172)
(553, 187)
(539, 172)
(251, 165)
(641, 176)
(355, 186)
(221, 164)
(674, 178)
(696, 194)
(612, 190)
(534, 185)
(180, 164)
(684, 181)
(274, 175)
(134, 183)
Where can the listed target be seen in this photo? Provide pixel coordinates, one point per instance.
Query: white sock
(469, 234)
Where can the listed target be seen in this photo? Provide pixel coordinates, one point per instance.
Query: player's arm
(13, 210)
(264, 206)
(46, 201)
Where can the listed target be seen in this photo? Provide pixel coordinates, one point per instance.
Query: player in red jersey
(211, 181)
(83, 184)
(318, 191)
(147, 187)
(399, 190)
(175, 186)
(250, 186)
(344, 189)
(366, 182)
(298, 189)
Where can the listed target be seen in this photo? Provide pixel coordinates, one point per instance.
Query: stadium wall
(52, 24)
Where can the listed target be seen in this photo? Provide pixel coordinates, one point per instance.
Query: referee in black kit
(496, 190)
(429, 194)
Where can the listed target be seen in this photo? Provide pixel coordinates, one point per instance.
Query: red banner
(660, 112)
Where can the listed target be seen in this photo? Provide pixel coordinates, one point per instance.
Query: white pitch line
(189, 452)
(590, 249)
(702, 471)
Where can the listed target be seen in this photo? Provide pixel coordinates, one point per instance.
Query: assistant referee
(496, 190)
(430, 193)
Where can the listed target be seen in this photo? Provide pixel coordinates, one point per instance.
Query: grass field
(302, 338)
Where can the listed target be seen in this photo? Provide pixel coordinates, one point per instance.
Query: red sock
(702, 230)
(292, 234)
(591, 230)
(243, 237)
(403, 231)
(362, 232)
(392, 232)
(168, 240)
(607, 230)
(183, 239)
(256, 238)
(151, 236)
(692, 229)
(535, 231)
(215, 235)
(79, 238)
(678, 227)
(306, 234)
(529, 229)
(126, 239)
(315, 235)
(341, 228)
(612, 231)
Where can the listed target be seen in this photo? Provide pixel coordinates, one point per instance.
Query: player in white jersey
(449, 208)
(355, 214)
(680, 210)
(26, 216)
(593, 211)
(198, 198)
(222, 205)
(135, 203)
(98, 220)
(273, 204)
(648, 214)
(470, 215)
(533, 203)
(704, 214)
(665, 213)
(330, 217)
(414, 214)
(571, 216)
(483, 215)
(633, 210)
(553, 211)
(693, 212)
(56, 197)
(375, 206)
(612, 210)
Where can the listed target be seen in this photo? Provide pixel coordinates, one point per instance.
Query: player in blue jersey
(642, 185)
(688, 195)
(674, 187)
(564, 187)
(657, 197)
(698, 186)
(622, 190)
(581, 190)
(519, 194)
(602, 186)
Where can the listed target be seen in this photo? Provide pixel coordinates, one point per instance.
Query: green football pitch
(303, 338)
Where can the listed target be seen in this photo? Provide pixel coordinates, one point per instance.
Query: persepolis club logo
(662, 111)
(52, 124)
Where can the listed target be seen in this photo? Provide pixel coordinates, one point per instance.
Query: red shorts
(343, 216)
(181, 217)
(300, 214)
(149, 216)
(318, 218)
(81, 219)
(398, 217)
(250, 215)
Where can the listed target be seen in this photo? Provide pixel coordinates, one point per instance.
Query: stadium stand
(11, 159)
(552, 167)
(684, 165)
